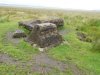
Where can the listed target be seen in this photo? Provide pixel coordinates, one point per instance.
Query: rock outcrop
(29, 25)
(45, 35)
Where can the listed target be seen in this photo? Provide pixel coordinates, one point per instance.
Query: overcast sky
(65, 4)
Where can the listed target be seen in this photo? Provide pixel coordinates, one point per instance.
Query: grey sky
(65, 4)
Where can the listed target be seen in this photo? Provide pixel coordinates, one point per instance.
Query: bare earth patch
(42, 64)
(4, 58)
(46, 64)
(9, 38)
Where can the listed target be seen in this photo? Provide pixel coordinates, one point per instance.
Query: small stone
(66, 42)
(34, 45)
(19, 34)
(41, 49)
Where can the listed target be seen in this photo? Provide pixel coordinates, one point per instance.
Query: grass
(23, 51)
(78, 52)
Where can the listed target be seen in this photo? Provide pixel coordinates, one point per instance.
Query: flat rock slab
(29, 25)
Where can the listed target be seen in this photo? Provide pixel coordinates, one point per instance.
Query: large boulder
(45, 35)
(29, 25)
(19, 34)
